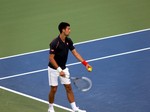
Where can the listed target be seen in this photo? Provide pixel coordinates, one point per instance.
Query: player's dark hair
(63, 25)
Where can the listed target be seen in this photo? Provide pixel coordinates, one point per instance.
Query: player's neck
(62, 37)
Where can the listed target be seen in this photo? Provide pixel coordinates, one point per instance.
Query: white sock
(73, 105)
(51, 107)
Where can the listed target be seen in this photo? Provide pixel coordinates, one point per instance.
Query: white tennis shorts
(53, 76)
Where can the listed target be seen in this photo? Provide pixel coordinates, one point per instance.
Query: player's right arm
(52, 60)
(55, 65)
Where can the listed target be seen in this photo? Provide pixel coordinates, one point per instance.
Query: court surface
(120, 74)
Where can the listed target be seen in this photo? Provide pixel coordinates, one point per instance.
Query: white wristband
(59, 69)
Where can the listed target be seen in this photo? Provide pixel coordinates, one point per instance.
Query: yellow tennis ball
(89, 69)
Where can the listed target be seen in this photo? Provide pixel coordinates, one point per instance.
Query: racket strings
(82, 84)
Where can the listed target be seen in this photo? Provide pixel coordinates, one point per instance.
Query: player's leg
(69, 92)
(52, 94)
(71, 99)
(70, 95)
(53, 82)
(51, 98)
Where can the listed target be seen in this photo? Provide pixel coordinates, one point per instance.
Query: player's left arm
(79, 57)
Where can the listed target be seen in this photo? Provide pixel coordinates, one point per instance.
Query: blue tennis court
(120, 76)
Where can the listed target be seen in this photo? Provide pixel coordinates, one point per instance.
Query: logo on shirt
(52, 50)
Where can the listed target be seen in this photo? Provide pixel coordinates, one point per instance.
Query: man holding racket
(59, 49)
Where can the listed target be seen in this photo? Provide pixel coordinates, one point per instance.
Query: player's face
(67, 31)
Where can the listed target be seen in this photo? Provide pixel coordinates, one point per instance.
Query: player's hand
(62, 74)
(89, 68)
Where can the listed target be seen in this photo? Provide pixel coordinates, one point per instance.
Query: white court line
(34, 98)
(95, 59)
(84, 42)
(22, 74)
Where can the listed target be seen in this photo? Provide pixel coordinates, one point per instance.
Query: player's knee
(53, 89)
(68, 88)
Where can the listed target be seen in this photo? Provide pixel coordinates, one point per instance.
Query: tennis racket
(82, 83)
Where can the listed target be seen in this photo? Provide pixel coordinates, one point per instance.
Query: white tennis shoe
(50, 110)
(79, 110)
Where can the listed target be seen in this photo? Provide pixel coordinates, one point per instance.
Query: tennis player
(59, 48)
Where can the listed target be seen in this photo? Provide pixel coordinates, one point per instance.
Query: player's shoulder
(54, 41)
(69, 39)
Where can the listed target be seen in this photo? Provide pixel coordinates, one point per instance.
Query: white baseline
(34, 98)
(84, 42)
